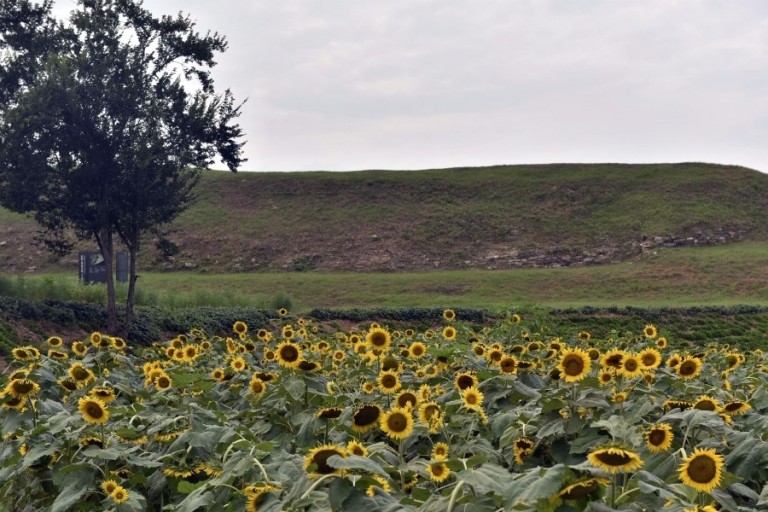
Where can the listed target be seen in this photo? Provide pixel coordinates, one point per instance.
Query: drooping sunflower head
(702, 470)
(355, 447)
(317, 459)
(575, 364)
(104, 394)
(615, 459)
(522, 448)
(397, 423)
(22, 388)
(735, 407)
(706, 403)
(659, 437)
(256, 386)
(365, 418)
(612, 359)
(582, 488)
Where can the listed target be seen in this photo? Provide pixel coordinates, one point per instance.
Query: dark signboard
(93, 269)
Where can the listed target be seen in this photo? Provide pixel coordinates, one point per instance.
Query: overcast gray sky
(410, 84)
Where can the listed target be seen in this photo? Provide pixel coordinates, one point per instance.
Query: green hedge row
(743, 326)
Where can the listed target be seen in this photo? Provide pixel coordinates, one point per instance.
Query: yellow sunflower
(650, 358)
(317, 459)
(379, 339)
(93, 410)
(574, 364)
(388, 382)
(659, 437)
(407, 399)
(465, 380)
(256, 386)
(650, 331)
(54, 342)
(431, 415)
(508, 365)
(702, 470)
(397, 423)
(449, 315)
(615, 459)
(240, 328)
(119, 494)
(417, 350)
(449, 333)
(689, 368)
(438, 471)
(631, 366)
(80, 374)
(107, 485)
(288, 354)
(440, 451)
(473, 398)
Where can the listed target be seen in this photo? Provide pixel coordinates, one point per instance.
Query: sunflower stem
(454, 495)
(613, 490)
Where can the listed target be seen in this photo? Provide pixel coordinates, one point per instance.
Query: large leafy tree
(105, 119)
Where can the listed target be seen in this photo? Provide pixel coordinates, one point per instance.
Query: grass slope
(491, 217)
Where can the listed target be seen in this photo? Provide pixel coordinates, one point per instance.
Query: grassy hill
(487, 218)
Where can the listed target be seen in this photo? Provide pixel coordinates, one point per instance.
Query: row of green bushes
(743, 326)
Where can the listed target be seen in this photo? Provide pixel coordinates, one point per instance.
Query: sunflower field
(295, 416)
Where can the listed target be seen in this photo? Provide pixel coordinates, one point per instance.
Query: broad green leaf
(356, 462)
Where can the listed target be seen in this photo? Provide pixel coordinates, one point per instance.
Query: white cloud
(344, 84)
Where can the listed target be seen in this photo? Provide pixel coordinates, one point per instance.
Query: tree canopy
(105, 119)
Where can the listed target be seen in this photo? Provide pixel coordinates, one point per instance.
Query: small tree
(105, 120)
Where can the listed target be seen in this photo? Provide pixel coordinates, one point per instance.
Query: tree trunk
(106, 246)
(132, 277)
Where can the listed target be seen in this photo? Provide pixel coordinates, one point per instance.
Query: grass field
(723, 275)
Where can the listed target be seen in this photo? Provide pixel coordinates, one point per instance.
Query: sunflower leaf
(356, 462)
